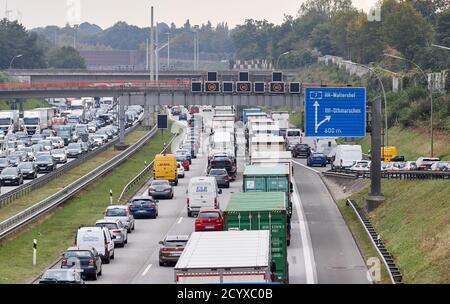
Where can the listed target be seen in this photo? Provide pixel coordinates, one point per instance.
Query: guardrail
(24, 189)
(388, 260)
(397, 174)
(15, 222)
(143, 174)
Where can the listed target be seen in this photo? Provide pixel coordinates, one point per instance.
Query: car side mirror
(220, 191)
(157, 202)
(160, 242)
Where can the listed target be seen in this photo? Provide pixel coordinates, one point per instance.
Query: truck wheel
(289, 242)
(189, 213)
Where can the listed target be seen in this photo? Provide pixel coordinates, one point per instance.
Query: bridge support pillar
(375, 197)
(121, 145)
(149, 114)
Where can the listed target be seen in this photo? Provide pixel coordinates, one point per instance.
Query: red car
(194, 110)
(209, 220)
(184, 161)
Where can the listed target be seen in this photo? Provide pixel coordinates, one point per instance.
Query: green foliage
(14, 41)
(65, 57)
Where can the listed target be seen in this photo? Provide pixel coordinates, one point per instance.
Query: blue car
(317, 159)
(183, 116)
(143, 207)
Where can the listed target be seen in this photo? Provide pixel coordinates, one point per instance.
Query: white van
(99, 238)
(293, 137)
(326, 146)
(202, 192)
(346, 156)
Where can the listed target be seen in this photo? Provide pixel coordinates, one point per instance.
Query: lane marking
(179, 221)
(146, 270)
(306, 167)
(310, 265)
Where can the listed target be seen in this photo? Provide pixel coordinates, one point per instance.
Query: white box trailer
(266, 142)
(266, 158)
(225, 257)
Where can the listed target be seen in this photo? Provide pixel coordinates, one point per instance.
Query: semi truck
(271, 178)
(262, 211)
(36, 120)
(9, 121)
(281, 119)
(245, 113)
(241, 257)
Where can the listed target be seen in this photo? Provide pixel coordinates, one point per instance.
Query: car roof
(82, 247)
(141, 198)
(209, 210)
(117, 207)
(114, 221)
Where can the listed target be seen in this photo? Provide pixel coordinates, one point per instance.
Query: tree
(15, 40)
(326, 8)
(66, 57)
(405, 29)
(443, 28)
(320, 38)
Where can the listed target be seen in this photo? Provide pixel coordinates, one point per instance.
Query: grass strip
(69, 177)
(57, 231)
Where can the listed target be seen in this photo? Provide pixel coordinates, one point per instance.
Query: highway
(322, 248)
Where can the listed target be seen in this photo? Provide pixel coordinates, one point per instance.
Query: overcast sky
(36, 13)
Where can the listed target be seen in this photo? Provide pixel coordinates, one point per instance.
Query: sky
(38, 13)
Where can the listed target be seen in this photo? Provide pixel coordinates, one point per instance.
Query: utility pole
(75, 26)
(152, 48)
(157, 52)
(168, 51)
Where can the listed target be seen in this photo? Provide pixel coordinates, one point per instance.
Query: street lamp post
(12, 60)
(430, 89)
(279, 57)
(386, 142)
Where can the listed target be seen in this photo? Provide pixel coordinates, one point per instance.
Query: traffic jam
(41, 140)
(226, 186)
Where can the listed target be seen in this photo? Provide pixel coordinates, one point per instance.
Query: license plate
(176, 254)
(209, 227)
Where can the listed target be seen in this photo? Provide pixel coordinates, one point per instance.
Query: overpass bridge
(154, 94)
(48, 75)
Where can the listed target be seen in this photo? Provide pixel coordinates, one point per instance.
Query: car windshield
(293, 133)
(208, 215)
(110, 226)
(74, 146)
(78, 254)
(3, 161)
(59, 151)
(218, 172)
(59, 275)
(174, 243)
(141, 202)
(9, 171)
(44, 158)
(318, 155)
(116, 212)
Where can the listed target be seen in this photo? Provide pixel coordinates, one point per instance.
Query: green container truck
(270, 178)
(262, 211)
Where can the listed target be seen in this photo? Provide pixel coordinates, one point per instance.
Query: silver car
(122, 213)
(59, 155)
(116, 227)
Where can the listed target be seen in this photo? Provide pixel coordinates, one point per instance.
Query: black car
(87, 259)
(301, 150)
(74, 150)
(45, 163)
(11, 176)
(4, 163)
(28, 170)
(397, 158)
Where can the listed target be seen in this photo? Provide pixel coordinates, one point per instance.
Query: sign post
(335, 112)
(163, 123)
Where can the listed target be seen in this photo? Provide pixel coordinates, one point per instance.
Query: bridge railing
(96, 84)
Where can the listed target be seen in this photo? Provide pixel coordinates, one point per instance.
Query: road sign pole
(34, 251)
(375, 197)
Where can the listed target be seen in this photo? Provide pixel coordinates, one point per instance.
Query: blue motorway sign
(335, 112)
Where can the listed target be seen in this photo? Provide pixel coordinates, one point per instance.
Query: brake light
(64, 262)
(91, 262)
(116, 231)
(227, 178)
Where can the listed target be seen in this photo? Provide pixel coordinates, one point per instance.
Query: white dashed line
(146, 270)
